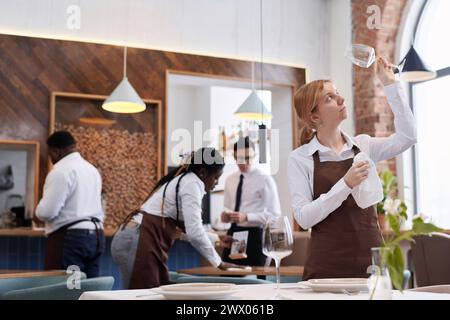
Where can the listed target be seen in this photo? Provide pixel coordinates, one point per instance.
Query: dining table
(255, 271)
(289, 291)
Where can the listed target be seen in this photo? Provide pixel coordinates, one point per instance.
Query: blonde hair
(305, 100)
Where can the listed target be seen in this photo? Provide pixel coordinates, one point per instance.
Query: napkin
(370, 191)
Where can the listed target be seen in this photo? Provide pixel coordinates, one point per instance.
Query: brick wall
(372, 112)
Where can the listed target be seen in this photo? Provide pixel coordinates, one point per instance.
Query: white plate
(337, 285)
(198, 287)
(195, 295)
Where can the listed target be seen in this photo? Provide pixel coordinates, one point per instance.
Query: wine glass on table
(364, 56)
(278, 241)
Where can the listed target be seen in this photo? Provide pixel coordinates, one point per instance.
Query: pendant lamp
(414, 69)
(124, 98)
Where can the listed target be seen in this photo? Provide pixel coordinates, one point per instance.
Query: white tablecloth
(262, 292)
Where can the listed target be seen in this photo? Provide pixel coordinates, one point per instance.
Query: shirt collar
(70, 156)
(195, 177)
(248, 173)
(315, 145)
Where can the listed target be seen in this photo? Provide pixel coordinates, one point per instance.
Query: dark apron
(55, 244)
(340, 244)
(255, 256)
(155, 240)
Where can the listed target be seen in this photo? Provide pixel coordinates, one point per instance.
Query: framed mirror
(19, 182)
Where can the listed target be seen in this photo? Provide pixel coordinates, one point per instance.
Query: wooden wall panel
(32, 68)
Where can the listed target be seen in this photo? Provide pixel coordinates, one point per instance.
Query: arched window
(431, 103)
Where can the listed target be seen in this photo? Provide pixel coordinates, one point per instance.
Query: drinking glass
(364, 56)
(278, 242)
(380, 287)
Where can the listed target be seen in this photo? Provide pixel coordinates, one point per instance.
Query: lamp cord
(253, 76)
(125, 62)
(126, 41)
(261, 66)
(416, 27)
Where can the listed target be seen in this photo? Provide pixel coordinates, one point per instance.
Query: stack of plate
(197, 291)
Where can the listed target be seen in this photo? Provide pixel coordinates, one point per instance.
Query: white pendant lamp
(124, 98)
(253, 109)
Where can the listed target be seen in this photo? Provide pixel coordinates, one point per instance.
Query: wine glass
(278, 242)
(364, 56)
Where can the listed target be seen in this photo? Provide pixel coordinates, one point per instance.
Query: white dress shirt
(301, 164)
(190, 195)
(259, 197)
(72, 191)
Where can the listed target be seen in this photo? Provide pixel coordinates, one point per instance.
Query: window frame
(444, 72)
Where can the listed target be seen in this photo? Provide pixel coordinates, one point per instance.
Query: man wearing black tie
(254, 198)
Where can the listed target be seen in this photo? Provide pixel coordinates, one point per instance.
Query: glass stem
(277, 267)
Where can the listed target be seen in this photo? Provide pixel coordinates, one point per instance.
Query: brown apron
(155, 240)
(55, 244)
(340, 244)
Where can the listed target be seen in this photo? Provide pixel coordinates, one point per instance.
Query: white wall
(295, 31)
(305, 33)
(282, 121)
(340, 67)
(202, 113)
(186, 104)
(180, 101)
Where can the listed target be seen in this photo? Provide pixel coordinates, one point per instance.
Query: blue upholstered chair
(60, 291)
(174, 276)
(10, 284)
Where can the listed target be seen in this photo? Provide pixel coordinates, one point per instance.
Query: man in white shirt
(71, 208)
(253, 197)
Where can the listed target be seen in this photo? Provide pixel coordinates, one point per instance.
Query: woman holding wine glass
(321, 176)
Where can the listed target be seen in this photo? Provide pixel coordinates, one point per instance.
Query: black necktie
(239, 193)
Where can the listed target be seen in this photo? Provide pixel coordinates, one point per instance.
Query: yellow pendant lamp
(124, 98)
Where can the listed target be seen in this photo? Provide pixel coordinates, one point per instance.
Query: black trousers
(83, 248)
(255, 256)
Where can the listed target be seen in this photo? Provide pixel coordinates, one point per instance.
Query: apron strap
(316, 156)
(55, 243)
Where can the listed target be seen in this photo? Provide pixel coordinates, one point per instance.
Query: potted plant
(388, 265)
(389, 183)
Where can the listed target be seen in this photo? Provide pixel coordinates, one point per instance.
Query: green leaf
(406, 235)
(421, 227)
(389, 181)
(394, 223)
(396, 267)
(380, 205)
(403, 208)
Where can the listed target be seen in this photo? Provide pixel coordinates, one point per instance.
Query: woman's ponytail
(306, 133)
(305, 100)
